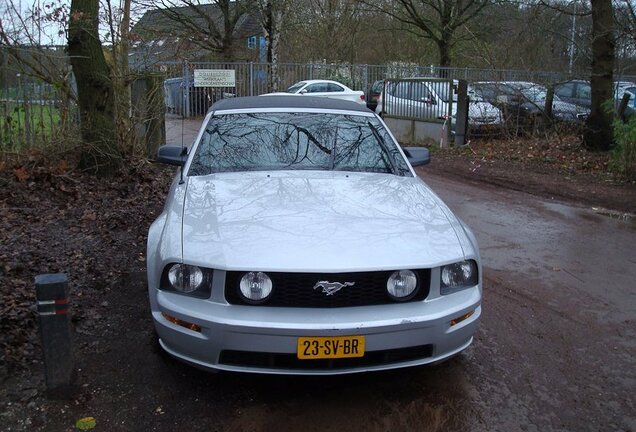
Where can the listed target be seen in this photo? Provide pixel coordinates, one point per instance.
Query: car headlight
(401, 285)
(187, 279)
(255, 287)
(459, 275)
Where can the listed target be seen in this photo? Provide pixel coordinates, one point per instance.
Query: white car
(429, 99)
(323, 88)
(298, 239)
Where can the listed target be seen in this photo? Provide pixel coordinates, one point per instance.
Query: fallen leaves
(21, 174)
(560, 153)
(55, 220)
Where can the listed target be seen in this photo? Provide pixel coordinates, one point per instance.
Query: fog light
(461, 318)
(401, 285)
(179, 322)
(255, 287)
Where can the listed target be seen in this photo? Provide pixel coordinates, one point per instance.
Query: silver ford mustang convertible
(297, 239)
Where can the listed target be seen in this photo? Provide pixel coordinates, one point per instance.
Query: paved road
(557, 344)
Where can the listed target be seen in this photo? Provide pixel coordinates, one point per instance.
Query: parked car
(413, 98)
(298, 239)
(577, 92)
(323, 88)
(523, 103)
(429, 99)
(374, 93)
(483, 117)
(620, 87)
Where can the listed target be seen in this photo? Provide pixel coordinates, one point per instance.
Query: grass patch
(31, 125)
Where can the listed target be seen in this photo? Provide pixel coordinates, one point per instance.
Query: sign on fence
(214, 78)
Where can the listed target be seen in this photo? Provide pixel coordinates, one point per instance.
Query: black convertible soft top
(287, 101)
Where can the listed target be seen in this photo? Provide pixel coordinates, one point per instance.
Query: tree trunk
(94, 89)
(444, 48)
(598, 135)
(275, 47)
(124, 109)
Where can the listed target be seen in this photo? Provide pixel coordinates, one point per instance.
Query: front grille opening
(290, 361)
(297, 289)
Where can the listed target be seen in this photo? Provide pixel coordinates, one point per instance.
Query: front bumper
(264, 339)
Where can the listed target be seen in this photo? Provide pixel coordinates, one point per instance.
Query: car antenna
(182, 147)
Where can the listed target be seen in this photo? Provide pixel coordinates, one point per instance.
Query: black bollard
(55, 332)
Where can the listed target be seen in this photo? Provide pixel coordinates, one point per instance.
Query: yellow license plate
(330, 347)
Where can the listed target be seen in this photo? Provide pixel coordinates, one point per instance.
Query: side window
(565, 90)
(316, 88)
(420, 92)
(402, 90)
(331, 87)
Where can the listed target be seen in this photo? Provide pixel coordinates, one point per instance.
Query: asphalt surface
(556, 347)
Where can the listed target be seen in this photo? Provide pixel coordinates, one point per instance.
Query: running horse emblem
(330, 288)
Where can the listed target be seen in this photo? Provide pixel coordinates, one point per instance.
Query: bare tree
(272, 13)
(626, 10)
(94, 88)
(117, 17)
(208, 25)
(21, 36)
(440, 21)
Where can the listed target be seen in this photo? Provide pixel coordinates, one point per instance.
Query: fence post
(55, 332)
(461, 118)
(251, 78)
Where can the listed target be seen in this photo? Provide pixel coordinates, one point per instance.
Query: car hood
(312, 220)
(480, 110)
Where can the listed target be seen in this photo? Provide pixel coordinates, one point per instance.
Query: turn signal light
(461, 318)
(182, 323)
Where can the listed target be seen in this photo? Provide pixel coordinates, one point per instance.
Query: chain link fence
(35, 105)
(183, 98)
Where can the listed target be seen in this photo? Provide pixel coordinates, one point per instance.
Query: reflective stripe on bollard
(55, 332)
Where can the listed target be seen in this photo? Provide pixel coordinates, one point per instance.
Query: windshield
(296, 141)
(296, 87)
(534, 93)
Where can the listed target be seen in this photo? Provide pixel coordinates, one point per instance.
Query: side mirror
(172, 155)
(303, 91)
(417, 156)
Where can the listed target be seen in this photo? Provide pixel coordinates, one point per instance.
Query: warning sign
(214, 78)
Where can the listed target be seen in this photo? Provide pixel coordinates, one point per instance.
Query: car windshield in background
(534, 93)
(296, 141)
(296, 87)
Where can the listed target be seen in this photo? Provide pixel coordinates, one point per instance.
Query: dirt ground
(54, 219)
(551, 167)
